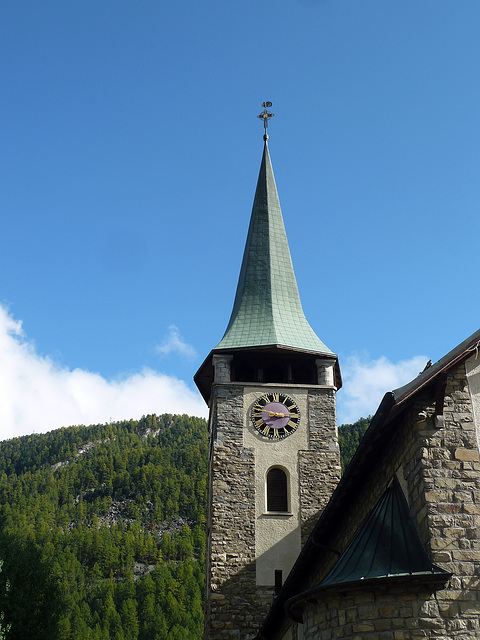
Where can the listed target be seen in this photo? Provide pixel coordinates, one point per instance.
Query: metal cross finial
(265, 116)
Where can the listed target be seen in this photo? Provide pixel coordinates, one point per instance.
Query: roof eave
(204, 376)
(471, 344)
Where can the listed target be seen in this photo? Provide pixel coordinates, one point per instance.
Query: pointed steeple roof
(267, 310)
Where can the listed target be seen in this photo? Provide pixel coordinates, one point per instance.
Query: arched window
(277, 490)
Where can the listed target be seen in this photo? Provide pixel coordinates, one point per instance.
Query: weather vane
(265, 116)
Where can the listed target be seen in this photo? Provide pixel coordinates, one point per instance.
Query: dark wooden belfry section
(265, 368)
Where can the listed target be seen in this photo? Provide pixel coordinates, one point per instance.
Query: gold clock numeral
(276, 397)
(266, 430)
(292, 424)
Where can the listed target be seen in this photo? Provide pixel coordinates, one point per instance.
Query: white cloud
(37, 394)
(366, 381)
(175, 343)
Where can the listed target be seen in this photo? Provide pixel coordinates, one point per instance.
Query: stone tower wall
(237, 599)
(234, 605)
(319, 466)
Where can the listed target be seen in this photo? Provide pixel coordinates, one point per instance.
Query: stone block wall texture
(439, 466)
(319, 467)
(446, 500)
(235, 605)
(391, 613)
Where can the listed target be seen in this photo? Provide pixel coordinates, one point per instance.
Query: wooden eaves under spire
(267, 314)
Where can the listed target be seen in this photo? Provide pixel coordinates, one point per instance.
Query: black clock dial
(275, 415)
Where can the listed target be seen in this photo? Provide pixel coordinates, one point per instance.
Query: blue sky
(130, 153)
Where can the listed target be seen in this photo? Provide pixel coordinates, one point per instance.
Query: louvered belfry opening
(277, 494)
(268, 367)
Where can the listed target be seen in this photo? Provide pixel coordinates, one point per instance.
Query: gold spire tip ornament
(265, 116)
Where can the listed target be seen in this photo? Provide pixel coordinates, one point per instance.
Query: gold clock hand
(278, 414)
(285, 415)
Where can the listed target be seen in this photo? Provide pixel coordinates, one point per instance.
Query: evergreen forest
(102, 530)
(349, 436)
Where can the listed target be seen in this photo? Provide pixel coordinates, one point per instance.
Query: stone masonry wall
(446, 498)
(388, 613)
(234, 605)
(319, 467)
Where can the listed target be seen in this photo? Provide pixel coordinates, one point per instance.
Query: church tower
(270, 385)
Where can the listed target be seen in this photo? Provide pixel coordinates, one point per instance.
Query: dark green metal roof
(387, 545)
(386, 549)
(267, 310)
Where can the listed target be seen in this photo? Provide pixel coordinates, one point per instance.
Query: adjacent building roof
(267, 310)
(350, 486)
(387, 545)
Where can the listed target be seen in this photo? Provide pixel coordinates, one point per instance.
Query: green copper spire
(267, 310)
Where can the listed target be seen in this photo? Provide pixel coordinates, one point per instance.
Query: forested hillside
(102, 530)
(349, 436)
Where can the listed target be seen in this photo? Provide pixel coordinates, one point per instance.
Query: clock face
(275, 415)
